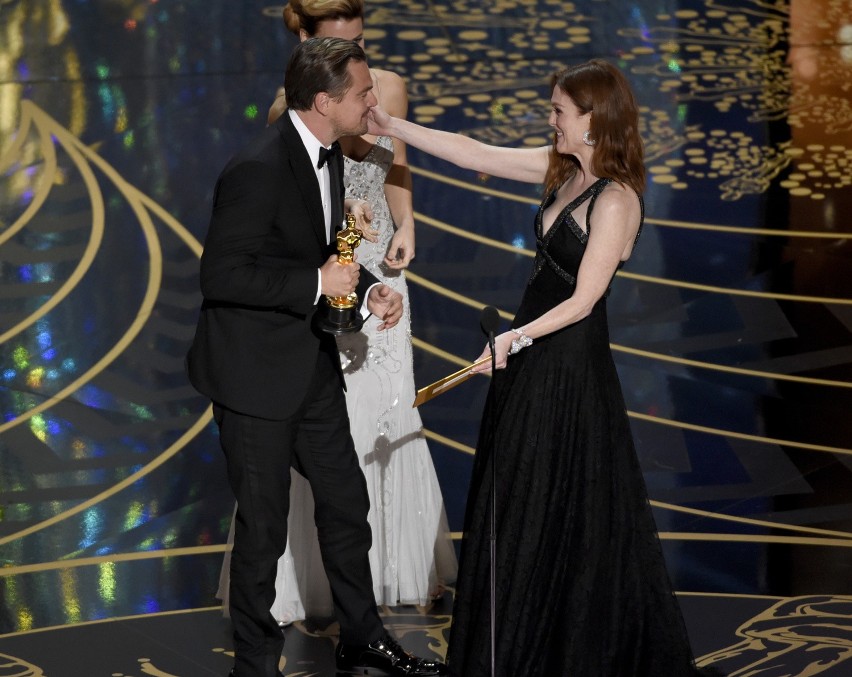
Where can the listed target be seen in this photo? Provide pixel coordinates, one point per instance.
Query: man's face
(348, 116)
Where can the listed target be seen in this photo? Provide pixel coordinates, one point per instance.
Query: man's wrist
(319, 286)
(364, 310)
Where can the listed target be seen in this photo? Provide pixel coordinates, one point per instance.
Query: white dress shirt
(313, 145)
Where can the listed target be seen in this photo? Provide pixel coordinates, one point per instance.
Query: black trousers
(259, 453)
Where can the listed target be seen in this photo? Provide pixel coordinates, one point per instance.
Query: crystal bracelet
(523, 341)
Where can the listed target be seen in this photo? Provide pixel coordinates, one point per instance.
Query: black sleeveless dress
(581, 584)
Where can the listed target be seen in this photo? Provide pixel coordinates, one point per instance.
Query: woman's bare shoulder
(389, 79)
(279, 105)
(618, 193)
(619, 202)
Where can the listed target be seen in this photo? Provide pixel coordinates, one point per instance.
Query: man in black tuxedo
(274, 377)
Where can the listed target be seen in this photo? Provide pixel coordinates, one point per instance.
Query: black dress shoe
(386, 655)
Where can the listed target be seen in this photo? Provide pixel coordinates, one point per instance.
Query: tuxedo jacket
(256, 343)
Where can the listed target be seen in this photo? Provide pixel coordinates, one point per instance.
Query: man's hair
(319, 65)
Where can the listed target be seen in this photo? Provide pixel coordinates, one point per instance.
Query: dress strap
(597, 188)
(594, 190)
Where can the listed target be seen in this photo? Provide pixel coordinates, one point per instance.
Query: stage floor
(731, 324)
(738, 634)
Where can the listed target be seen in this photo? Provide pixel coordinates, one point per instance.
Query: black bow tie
(326, 153)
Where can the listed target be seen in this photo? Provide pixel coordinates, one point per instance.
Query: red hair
(599, 88)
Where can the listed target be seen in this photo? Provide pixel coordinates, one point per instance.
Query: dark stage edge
(789, 636)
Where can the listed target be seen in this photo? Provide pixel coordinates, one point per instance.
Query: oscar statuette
(342, 316)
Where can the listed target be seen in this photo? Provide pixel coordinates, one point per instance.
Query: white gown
(412, 554)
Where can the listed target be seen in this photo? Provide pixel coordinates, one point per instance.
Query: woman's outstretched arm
(520, 164)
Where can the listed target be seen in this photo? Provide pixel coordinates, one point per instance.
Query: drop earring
(587, 138)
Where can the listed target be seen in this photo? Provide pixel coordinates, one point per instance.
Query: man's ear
(321, 102)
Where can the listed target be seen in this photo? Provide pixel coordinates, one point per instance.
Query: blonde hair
(306, 15)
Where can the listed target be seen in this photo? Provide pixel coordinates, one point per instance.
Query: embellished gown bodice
(559, 252)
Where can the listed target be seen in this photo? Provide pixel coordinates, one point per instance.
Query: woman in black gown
(581, 584)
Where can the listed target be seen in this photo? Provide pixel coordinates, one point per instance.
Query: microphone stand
(490, 321)
(491, 343)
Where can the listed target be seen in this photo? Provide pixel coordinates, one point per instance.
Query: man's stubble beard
(359, 131)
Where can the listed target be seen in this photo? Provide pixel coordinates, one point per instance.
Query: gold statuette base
(341, 314)
(341, 320)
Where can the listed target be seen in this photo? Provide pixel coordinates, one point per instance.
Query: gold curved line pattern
(95, 239)
(151, 292)
(734, 538)
(114, 619)
(441, 439)
(455, 296)
(177, 446)
(748, 520)
(712, 289)
(111, 559)
(49, 154)
(176, 226)
(135, 199)
(755, 538)
(443, 354)
(692, 426)
(662, 357)
(740, 436)
(446, 441)
(13, 151)
(218, 609)
(666, 223)
(742, 230)
(458, 183)
(190, 551)
(475, 237)
(735, 595)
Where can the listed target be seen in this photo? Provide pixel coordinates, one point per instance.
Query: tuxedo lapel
(335, 175)
(301, 167)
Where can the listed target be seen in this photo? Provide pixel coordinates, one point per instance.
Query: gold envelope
(443, 385)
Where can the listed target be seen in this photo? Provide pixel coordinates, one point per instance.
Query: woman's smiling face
(567, 121)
